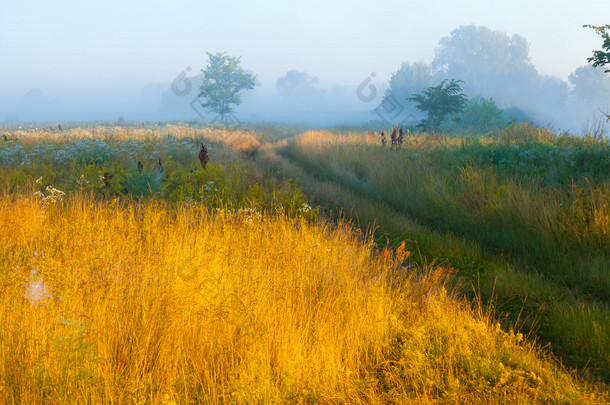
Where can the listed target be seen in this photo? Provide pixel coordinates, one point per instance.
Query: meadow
(522, 216)
(135, 272)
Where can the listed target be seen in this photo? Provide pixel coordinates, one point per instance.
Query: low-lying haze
(70, 60)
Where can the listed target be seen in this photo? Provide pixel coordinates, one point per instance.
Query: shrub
(482, 115)
(525, 132)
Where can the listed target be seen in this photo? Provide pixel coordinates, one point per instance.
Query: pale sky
(117, 42)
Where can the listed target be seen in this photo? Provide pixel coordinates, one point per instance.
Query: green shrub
(481, 116)
(525, 132)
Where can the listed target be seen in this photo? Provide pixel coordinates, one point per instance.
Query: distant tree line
(601, 58)
(497, 74)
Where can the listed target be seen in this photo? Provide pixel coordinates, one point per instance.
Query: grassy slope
(157, 303)
(169, 300)
(354, 176)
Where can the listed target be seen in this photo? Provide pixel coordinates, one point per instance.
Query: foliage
(150, 302)
(143, 181)
(523, 217)
(492, 52)
(219, 286)
(601, 57)
(440, 103)
(295, 85)
(223, 81)
(514, 115)
(525, 132)
(491, 62)
(141, 163)
(481, 116)
(494, 64)
(591, 87)
(408, 79)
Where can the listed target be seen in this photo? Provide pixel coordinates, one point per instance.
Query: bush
(482, 115)
(143, 181)
(525, 132)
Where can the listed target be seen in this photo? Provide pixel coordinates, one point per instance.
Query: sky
(113, 46)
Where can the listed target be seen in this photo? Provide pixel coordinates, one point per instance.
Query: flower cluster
(50, 195)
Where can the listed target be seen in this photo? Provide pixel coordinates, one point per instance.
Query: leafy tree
(482, 115)
(590, 87)
(408, 79)
(295, 82)
(440, 102)
(299, 88)
(223, 81)
(513, 115)
(601, 58)
(492, 63)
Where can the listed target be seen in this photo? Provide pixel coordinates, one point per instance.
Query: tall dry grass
(542, 227)
(238, 140)
(147, 302)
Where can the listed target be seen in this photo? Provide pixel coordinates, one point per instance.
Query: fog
(493, 65)
(317, 64)
(322, 104)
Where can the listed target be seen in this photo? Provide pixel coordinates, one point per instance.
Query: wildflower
(401, 136)
(51, 195)
(54, 195)
(106, 178)
(305, 208)
(82, 181)
(36, 291)
(203, 156)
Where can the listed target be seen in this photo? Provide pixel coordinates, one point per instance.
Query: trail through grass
(223, 285)
(561, 301)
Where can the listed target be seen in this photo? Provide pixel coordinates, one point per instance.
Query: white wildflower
(37, 291)
(303, 209)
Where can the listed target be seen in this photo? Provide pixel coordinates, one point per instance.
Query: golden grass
(325, 138)
(562, 230)
(238, 140)
(116, 302)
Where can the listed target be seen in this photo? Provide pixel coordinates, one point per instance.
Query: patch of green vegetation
(145, 165)
(538, 214)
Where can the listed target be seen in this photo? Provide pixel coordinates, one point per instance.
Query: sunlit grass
(532, 208)
(150, 302)
(183, 284)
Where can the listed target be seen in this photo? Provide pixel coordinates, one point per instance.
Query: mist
(491, 63)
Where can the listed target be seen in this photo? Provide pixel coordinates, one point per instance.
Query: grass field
(132, 274)
(523, 217)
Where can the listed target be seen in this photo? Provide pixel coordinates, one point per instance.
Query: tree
(601, 58)
(298, 89)
(482, 115)
(491, 62)
(295, 83)
(223, 81)
(495, 64)
(440, 103)
(590, 87)
(408, 79)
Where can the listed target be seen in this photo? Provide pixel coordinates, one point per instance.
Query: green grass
(528, 233)
(130, 281)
